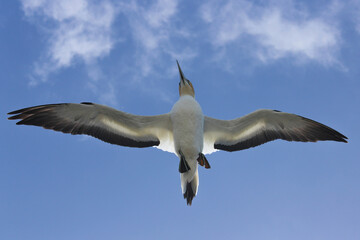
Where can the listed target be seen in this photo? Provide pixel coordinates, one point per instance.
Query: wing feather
(102, 122)
(263, 126)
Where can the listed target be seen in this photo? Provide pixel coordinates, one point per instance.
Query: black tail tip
(189, 194)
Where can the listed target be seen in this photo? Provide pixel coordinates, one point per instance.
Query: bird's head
(185, 86)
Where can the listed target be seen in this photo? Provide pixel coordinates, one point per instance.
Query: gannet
(184, 131)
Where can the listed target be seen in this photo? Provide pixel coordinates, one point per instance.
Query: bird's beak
(182, 77)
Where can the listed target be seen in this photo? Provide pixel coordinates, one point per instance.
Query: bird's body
(188, 129)
(184, 131)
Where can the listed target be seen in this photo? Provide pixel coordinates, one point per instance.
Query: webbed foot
(183, 165)
(203, 161)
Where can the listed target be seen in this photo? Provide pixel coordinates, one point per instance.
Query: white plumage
(188, 128)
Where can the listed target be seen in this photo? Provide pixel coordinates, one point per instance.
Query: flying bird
(184, 131)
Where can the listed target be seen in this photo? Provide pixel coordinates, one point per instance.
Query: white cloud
(158, 32)
(75, 29)
(83, 30)
(161, 12)
(150, 24)
(275, 32)
(154, 30)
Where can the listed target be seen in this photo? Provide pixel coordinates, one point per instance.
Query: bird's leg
(183, 165)
(203, 161)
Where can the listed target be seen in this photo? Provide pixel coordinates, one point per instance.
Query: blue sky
(298, 57)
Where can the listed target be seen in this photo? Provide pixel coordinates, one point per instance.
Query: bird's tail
(189, 185)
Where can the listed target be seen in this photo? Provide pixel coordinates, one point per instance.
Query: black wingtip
(325, 132)
(189, 194)
(15, 112)
(343, 140)
(13, 117)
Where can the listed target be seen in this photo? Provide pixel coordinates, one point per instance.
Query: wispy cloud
(83, 31)
(75, 29)
(155, 33)
(355, 5)
(277, 31)
(154, 30)
(101, 85)
(157, 39)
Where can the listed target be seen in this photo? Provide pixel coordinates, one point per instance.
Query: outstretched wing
(102, 122)
(263, 126)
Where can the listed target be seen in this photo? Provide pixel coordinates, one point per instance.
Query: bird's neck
(187, 94)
